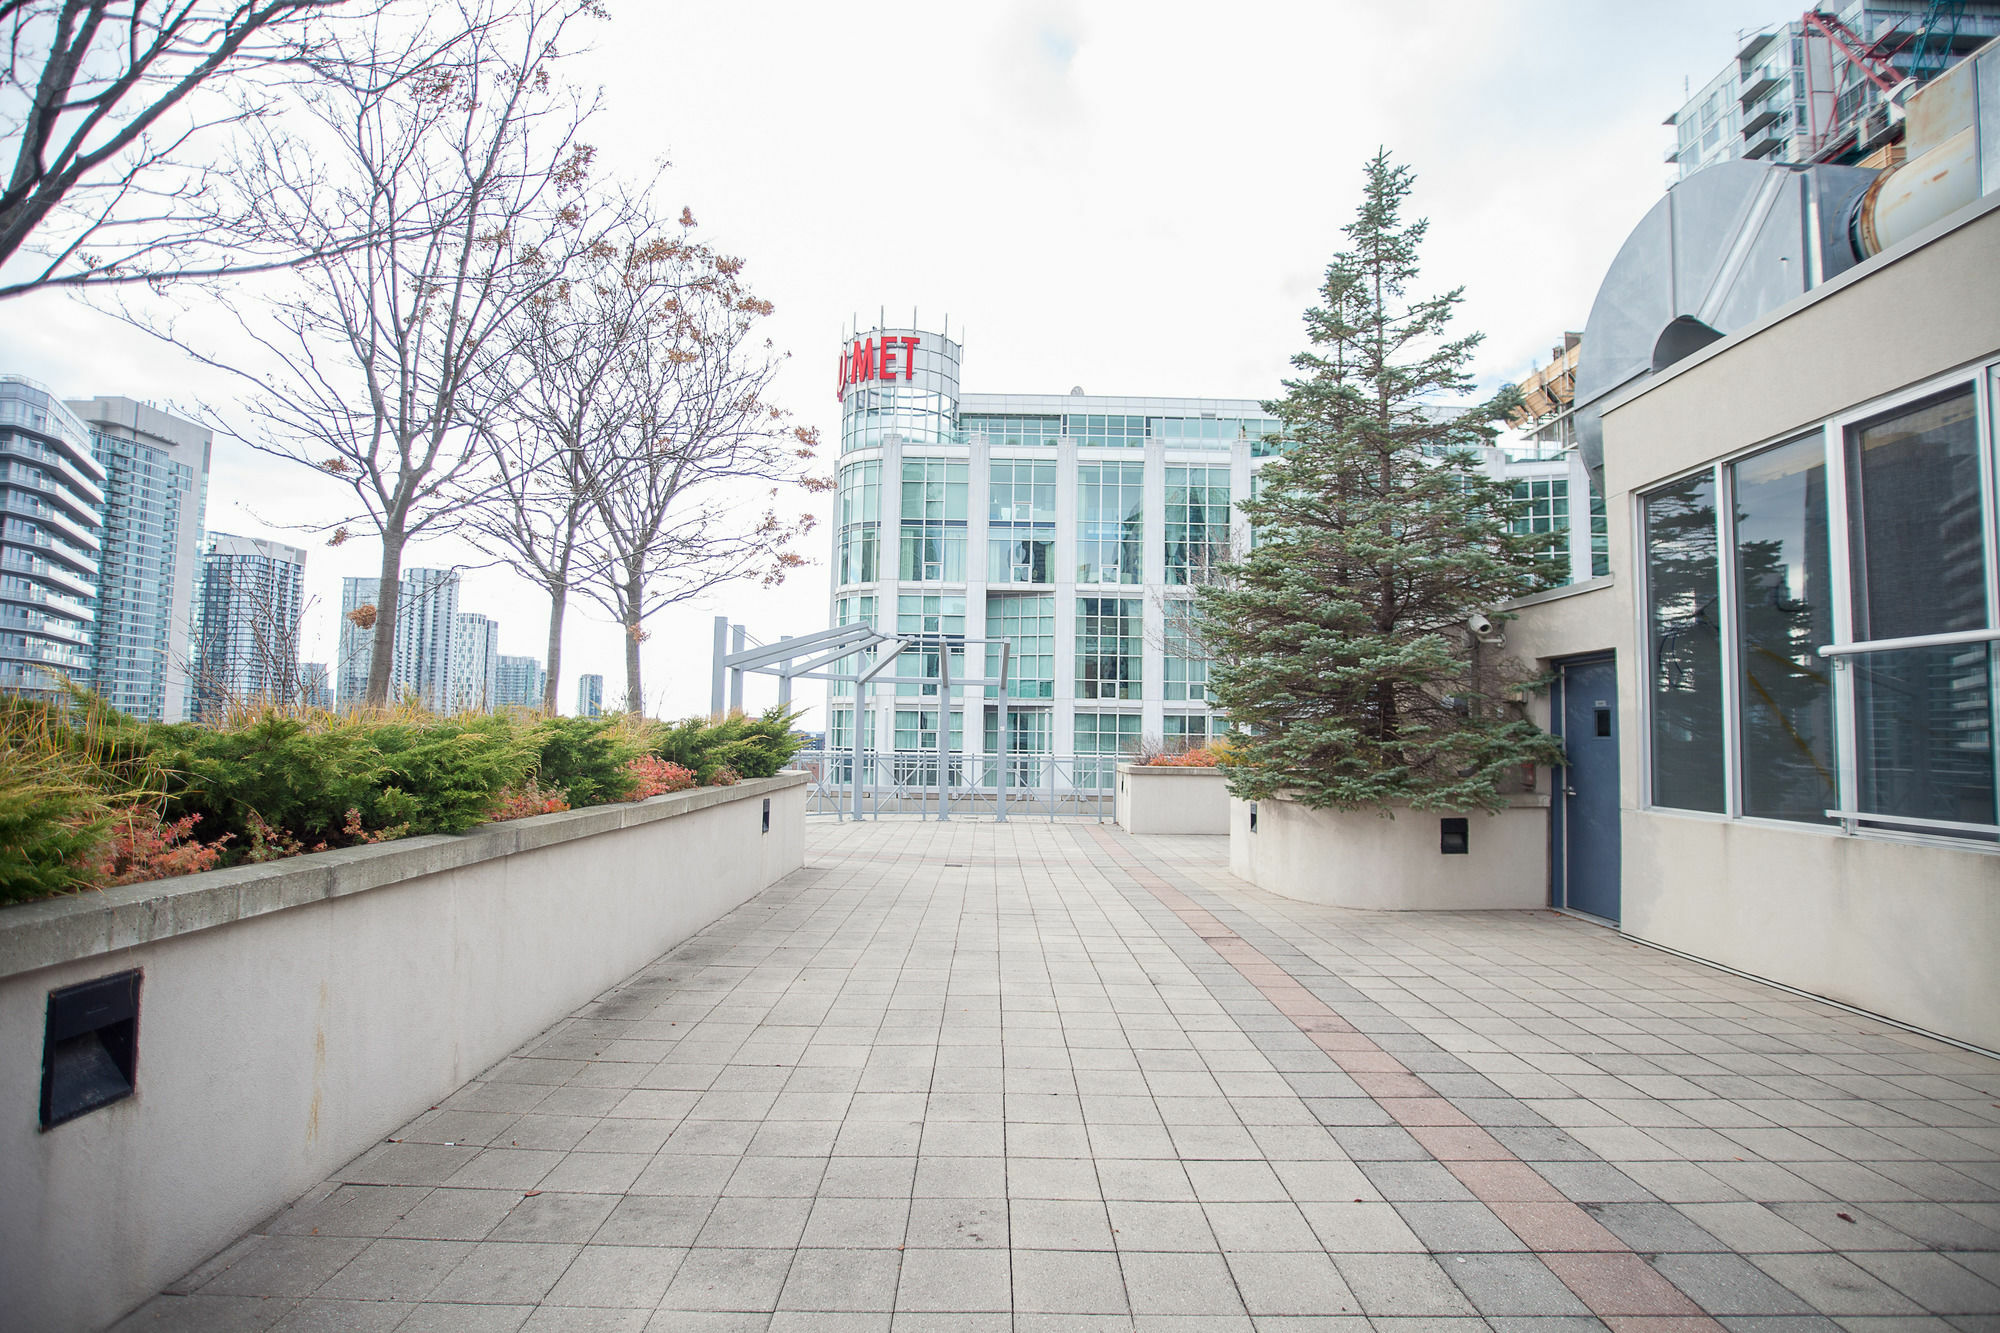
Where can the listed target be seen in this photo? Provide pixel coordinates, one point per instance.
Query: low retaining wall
(1165, 798)
(294, 1013)
(1363, 859)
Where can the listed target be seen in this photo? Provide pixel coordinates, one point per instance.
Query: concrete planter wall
(1155, 798)
(1363, 859)
(294, 1013)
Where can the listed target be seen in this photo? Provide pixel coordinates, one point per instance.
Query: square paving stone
(857, 1280)
(617, 1276)
(1510, 1284)
(1401, 1284)
(555, 1217)
(954, 1281)
(1063, 1282)
(1291, 1284)
(1180, 1284)
(1145, 1225)
(506, 1272)
(395, 1270)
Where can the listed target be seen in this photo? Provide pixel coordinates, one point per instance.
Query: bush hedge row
(90, 797)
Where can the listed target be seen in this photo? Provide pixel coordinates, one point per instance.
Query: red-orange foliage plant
(655, 776)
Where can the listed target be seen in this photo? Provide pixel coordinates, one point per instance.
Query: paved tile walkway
(1048, 1076)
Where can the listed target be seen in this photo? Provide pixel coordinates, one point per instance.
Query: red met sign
(865, 361)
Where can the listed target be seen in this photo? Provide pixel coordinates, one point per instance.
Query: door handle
(1569, 790)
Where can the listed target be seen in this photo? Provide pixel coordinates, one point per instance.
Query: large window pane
(1914, 521)
(1110, 507)
(1924, 733)
(1684, 630)
(1785, 689)
(1108, 647)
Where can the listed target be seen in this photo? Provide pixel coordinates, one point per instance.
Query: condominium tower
(475, 664)
(51, 510)
(519, 682)
(426, 639)
(1821, 87)
(589, 695)
(246, 645)
(155, 489)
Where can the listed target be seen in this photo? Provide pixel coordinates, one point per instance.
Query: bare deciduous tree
(556, 407)
(452, 165)
(682, 503)
(104, 104)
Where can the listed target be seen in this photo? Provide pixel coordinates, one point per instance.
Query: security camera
(1479, 624)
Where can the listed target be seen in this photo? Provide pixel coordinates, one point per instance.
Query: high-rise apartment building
(426, 639)
(1075, 528)
(589, 695)
(519, 682)
(51, 510)
(315, 685)
(475, 664)
(155, 489)
(246, 642)
(1821, 87)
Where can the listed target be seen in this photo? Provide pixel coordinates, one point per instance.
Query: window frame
(1833, 432)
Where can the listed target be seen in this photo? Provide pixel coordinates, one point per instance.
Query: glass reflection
(1785, 689)
(1684, 622)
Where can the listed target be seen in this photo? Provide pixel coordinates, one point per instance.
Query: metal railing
(905, 782)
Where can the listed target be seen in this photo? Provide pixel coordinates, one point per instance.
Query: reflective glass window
(1196, 523)
(1784, 698)
(1028, 623)
(1108, 647)
(1111, 525)
(1684, 648)
(933, 521)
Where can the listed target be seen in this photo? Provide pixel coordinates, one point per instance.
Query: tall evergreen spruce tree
(1340, 640)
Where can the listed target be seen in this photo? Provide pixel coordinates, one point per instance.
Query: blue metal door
(1586, 823)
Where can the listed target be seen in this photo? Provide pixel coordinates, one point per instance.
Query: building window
(860, 508)
(1684, 630)
(1028, 624)
(1784, 688)
(1101, 740)
(1541, 509)
(1110, 524)
(940, 621)
(1187, 731)
(1600, 538)
(853, 611)
(1197, 523)
(1108, 647)
(1097, 429)
(933, 546)
(1924, 714)
(1021, 522)
(1006, 430)
(1906, 622)
(1186, 668)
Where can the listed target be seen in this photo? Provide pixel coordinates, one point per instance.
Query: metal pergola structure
(816, 657)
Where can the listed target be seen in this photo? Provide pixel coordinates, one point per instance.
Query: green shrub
(586, 757)
(50, 824)
(298, 774)
(444, 776)
(749, 747)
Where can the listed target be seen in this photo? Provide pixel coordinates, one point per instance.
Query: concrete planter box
(293, 1014)
(1157, 798)
(1365, 859)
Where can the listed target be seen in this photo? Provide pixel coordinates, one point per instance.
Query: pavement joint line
(1608, 1276)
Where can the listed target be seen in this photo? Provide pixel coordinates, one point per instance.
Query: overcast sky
(1135, 198)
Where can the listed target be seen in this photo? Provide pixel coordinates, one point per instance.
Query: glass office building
(1075, 528)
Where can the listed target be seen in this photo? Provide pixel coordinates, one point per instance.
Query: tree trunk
(635, 596)
(388, 598)
(551, 689)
